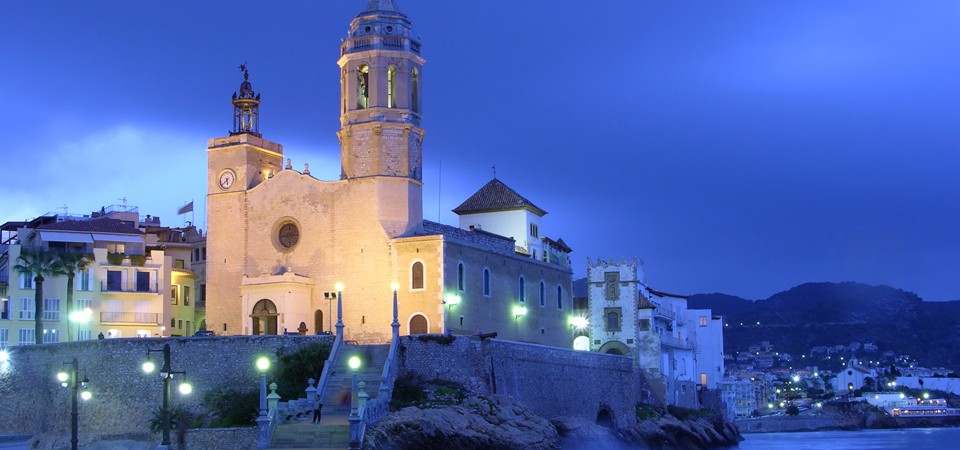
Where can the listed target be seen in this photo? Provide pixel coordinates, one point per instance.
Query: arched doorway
(318, 321)
(614, 348)
(418, 324)
(264, 318)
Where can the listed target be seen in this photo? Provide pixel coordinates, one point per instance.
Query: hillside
(814, 314)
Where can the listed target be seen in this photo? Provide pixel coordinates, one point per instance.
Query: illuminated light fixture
(338, 287)
(579, 322)
(186, 388)
(4, 356)
(62, 377)
(394, 286)
(796, 378)
(263, 363)
(354, 362)
(86, 395)
(148, 366)
(519, 311)
(926, 395)
(451, 299)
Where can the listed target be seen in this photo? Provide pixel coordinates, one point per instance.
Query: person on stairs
(317, 406)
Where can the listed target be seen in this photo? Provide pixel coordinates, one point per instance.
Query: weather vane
(243, 68)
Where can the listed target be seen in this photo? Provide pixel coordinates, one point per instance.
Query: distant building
(740, 398)
(853, 376)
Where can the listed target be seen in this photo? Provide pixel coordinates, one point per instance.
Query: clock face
(227, 178)
(288, 235)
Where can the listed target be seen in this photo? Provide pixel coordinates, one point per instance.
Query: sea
(898, 439)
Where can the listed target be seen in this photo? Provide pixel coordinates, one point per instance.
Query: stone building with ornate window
(280, 240)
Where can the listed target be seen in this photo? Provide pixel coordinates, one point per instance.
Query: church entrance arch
(318, 321)
(418, 324)
(264, 318)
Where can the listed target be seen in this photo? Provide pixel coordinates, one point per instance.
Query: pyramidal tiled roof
(98, 225)
(496, 196)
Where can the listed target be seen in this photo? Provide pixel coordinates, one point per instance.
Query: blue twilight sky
(740, 147)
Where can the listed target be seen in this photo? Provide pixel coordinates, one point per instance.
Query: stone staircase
(333, 432)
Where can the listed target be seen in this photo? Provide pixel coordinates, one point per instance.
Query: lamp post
(354, 418)
(395, 324)
(263, 419)
(71, 379)
(166, 373)
(339, 288)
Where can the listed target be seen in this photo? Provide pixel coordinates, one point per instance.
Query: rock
(495, 422)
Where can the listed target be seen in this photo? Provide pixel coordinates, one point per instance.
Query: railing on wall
(369, 413)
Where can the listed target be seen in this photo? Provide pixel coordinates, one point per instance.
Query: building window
(416, 276)
(85, 280)
(173, 323)
(4, 338)
(522, 291)
(703, 378)
(186, 296)
(392, 87)
(611, 319)
(202, 294)
(543, 294)
(486, 282)
(178, 264)
(415, 90)
(26, 336)
(559, 297)
(203, 254)
(114, 278)
(363, 81)
(611, 289)
(180, 324)
(4, 309)
(460, 283)
(703, 321)
(51, 336)
(174, 299)
(51, 309)
(143, 281)
(196, 254)
(534, 230)
(27, 306)
(26, 280)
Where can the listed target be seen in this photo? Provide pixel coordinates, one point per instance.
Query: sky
(741, 147)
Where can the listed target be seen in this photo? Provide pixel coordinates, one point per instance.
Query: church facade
(281, 242)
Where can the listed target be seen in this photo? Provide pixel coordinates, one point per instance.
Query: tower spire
(381, 5)
(246, 107)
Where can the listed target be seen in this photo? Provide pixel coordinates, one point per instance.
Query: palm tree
(69, 263)
(38, 262)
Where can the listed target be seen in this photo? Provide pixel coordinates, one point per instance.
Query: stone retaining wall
(123, 397)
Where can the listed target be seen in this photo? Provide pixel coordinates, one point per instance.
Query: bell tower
(381, 72)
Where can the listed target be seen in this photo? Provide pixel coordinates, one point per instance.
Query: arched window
(522, 293)
(363, 84)
(543, 294)
(343, 90)
(415, 90)
(392, 87)
(460, 283)
(416, 276)
(486, 282)
(559, 297)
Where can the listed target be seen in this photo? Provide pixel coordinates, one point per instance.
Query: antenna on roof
(65, 210)
(494, 171)
(124, 200)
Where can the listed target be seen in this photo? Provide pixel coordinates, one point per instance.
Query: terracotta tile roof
(496, 196)
(98, 225)
(475, 238)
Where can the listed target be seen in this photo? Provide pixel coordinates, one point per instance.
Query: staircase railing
(328, 366)
(371, 412)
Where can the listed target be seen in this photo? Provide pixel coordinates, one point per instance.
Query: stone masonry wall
(551, 381)
(123, 397)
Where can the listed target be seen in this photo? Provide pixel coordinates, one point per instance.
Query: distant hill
(813, 314)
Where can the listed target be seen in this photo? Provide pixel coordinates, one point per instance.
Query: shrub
(407, 391)
(793, 410)
(178, 414)
(138, 260)
(295, 368)
(115, 258)
(645, 411)
(232, 408)
(442, 339)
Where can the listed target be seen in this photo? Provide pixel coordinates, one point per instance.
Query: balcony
(129, 317)
(116, 286)
(672, 341)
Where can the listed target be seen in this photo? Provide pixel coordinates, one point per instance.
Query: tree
(793, 410)
(37, 262)
(69, 263)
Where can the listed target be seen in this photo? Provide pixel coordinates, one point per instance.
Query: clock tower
(235, 164)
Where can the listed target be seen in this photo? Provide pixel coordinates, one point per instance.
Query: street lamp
(80, 318)
(71, 379)
(166, 373)
(263, 365)
(354, 419)
(339, 288)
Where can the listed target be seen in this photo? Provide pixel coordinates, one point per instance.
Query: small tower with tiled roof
(496, 208)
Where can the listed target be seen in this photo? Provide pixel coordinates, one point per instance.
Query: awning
(61, 236)
(117, 237)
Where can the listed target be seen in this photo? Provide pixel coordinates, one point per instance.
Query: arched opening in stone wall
(614, 348)
(264, 318)
(418, 324)
(605, 418)
(318, 321)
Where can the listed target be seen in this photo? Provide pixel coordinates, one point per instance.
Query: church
(282, 244)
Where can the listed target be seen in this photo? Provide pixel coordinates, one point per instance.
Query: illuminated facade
(279, 240)
(130, 286)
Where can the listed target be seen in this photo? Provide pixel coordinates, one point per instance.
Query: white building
(853, 376)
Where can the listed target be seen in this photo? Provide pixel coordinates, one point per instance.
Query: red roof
(98, 225)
